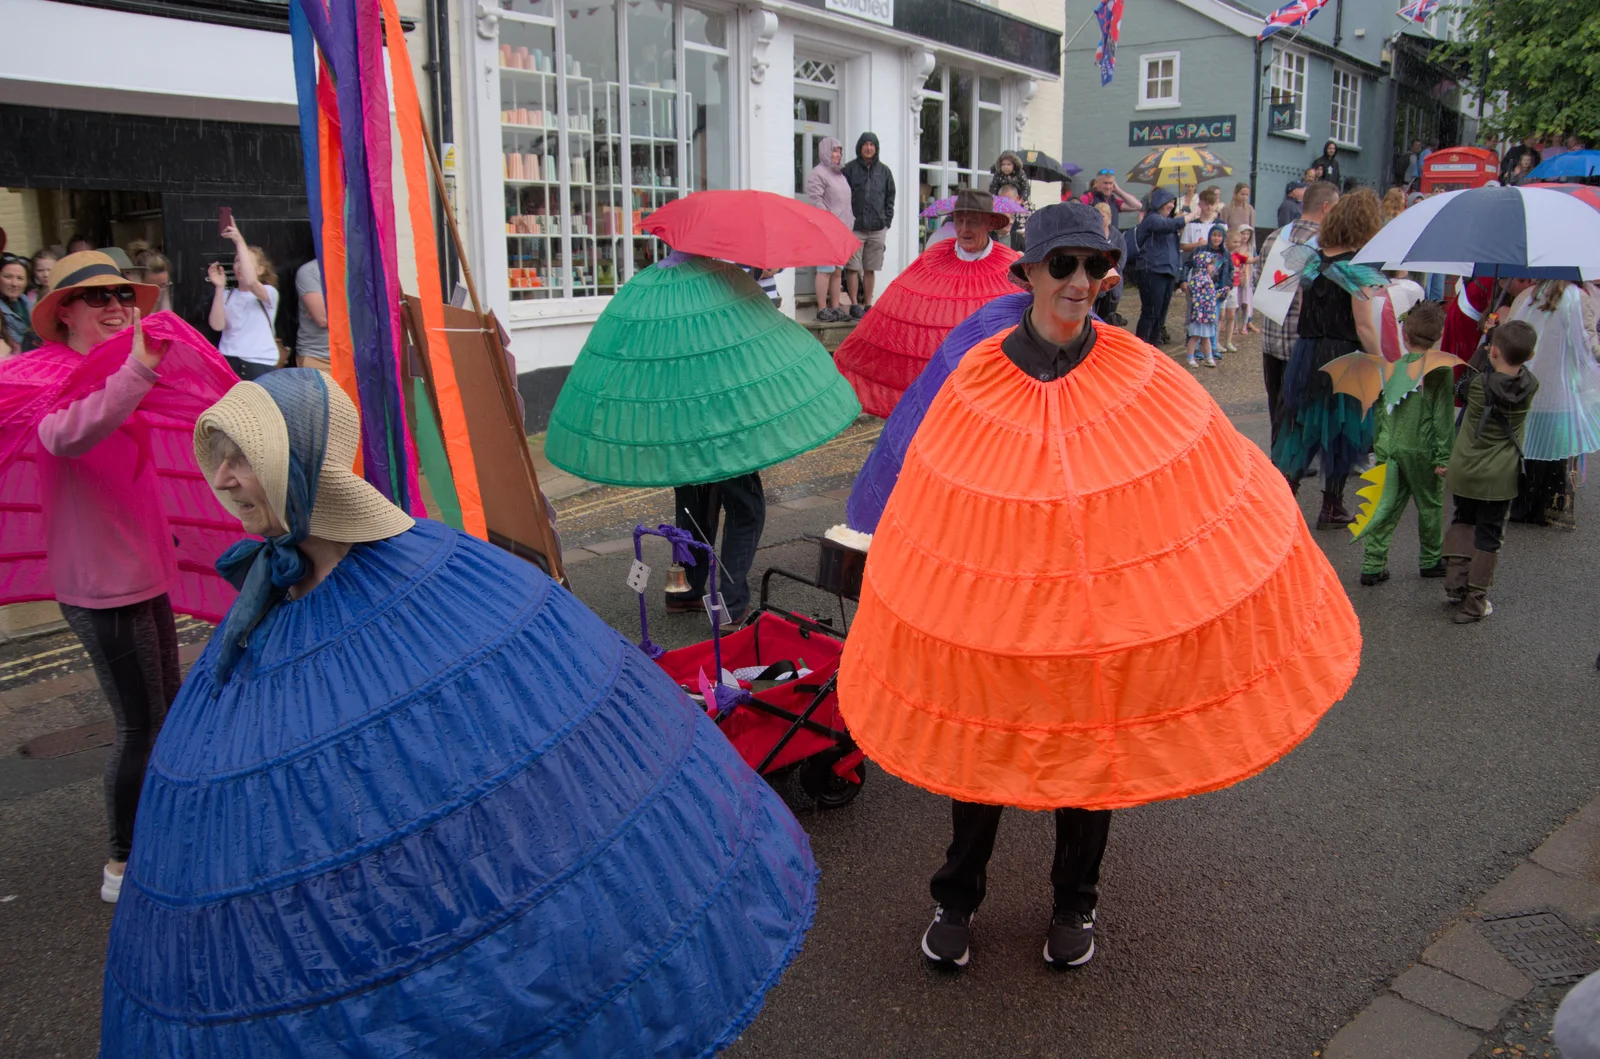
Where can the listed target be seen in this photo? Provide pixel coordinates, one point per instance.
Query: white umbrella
(1506, 232)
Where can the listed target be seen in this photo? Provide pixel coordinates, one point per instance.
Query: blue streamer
(305, 88)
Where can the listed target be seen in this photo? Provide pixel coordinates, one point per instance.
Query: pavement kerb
(1461, 986)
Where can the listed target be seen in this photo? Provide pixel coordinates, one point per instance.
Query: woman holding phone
(246, 315)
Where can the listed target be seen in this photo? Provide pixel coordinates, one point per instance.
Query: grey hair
(223, 449)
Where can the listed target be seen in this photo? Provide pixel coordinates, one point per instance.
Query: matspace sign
(1219, 129)
(880, 11)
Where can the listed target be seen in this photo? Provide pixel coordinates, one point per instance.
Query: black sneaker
(856, 312)
(1070, 942)
(1436, 570)
(947, 939)
(1380, 577)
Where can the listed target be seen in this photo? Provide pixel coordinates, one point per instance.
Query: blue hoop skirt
(442, 810)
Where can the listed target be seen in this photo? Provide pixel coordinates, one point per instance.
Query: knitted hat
(86, 268)
(346, 509)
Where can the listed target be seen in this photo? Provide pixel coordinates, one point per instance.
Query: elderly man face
(1104, 183)
(1298, 194)
(972, 230)
(1061, 303)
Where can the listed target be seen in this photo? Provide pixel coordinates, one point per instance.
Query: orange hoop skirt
(892, 343)
(1093, 592)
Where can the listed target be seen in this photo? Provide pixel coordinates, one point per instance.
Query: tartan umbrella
(1186, 165)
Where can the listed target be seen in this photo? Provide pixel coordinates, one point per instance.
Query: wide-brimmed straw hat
(347, 508)
(86, 268)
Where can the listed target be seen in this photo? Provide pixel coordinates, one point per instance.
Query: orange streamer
(457, 440)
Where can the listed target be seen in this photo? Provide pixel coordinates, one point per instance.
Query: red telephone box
(1459, 168)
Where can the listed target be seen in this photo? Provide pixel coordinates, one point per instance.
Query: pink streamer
(380, 173)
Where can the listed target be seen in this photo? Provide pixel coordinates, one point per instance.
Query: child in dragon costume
(1415, 431)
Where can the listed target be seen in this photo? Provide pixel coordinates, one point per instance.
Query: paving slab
(1573, 850)
(1532, 887)
(1452, 997)
(611, 547)
(806, 503)
(1465, 953)
(837, 494)
(572, 556)
(1391, 1028)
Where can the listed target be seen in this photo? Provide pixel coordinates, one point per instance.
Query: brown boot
(1480, 578)
(1333, 514)
(1458, 552)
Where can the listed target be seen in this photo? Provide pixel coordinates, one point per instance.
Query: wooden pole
(455, 233)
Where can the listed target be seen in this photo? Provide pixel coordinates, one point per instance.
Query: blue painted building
(1192, 71)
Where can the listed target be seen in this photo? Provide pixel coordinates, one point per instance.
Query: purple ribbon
(684, 547)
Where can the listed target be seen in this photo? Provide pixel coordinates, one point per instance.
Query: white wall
(88, 58)
(1043, 129)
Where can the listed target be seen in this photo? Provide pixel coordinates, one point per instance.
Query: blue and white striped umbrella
(1507, 232)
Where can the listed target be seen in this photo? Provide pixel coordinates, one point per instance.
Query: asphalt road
(1246, 923)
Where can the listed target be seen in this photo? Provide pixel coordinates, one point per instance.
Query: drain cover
(1542, 944)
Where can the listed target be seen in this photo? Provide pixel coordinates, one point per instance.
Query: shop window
(606, 114)
(1158, 83)
(963, 131)
(1345, 121)
(1289, 84)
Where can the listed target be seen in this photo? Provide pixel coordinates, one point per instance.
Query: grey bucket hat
(1073, 225)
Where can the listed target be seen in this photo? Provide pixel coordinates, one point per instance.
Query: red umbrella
(752, 228)
(1583, 192)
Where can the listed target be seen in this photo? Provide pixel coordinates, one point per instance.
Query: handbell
(677, 581)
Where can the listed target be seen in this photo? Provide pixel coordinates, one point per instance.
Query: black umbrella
(1040, 166)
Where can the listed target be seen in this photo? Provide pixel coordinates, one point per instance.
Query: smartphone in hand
(224, 220)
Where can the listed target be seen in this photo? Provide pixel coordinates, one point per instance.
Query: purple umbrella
(940, 207)
(878, 475)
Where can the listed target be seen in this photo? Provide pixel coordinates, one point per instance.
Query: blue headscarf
(263, 571)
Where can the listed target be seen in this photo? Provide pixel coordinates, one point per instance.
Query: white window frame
(1346, 90)
(1162, 102)
(1285, 75)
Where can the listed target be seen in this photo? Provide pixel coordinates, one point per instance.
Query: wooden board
(513, 506)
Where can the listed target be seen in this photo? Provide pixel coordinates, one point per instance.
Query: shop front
(585, 115)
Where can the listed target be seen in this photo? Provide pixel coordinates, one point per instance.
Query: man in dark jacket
(872, 202)
(1289, 209)
(1159, 263)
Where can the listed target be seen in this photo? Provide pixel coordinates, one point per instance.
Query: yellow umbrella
(1184, 166)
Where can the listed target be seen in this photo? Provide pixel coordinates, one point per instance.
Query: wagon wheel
(826, 787)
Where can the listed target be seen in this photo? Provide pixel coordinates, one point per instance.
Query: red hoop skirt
(1093, 592)
(892, 343)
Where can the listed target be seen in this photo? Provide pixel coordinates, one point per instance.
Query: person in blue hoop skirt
(416, 800)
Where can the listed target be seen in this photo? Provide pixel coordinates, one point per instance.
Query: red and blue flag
(1419, 10)
(1294, 13)
(1109, 15)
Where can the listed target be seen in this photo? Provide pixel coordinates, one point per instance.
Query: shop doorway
(816, 115)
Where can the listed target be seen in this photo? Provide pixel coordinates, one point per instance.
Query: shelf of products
(575, 195)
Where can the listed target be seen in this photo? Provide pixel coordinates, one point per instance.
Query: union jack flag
(1109, 15)
(1294, 13)
(1419, 10)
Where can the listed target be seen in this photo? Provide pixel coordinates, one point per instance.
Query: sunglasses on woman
(1063, 266)
(100, 297)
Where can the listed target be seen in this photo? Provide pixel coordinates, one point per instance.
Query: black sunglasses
(100, 297)
(1063, 266)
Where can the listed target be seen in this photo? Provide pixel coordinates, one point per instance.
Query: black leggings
(1081, 835)
(135, 654)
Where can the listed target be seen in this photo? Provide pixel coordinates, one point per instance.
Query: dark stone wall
(539, 389)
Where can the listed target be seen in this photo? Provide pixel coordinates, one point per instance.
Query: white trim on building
(1159, 87)
(1290, 67)
(1344, 119)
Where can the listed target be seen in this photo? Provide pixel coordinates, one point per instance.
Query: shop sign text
(880, 11)
(1185, 130)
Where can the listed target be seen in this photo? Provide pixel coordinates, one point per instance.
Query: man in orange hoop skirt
(946, 284)
(1087, 590)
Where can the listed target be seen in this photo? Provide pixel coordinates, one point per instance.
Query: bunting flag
(339, 50)
(1419, 10)
(1109, 15)
(1294, 13)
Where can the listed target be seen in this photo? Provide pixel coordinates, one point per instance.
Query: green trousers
(1411, 478)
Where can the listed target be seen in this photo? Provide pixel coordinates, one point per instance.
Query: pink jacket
(105, 532)
(826, 186)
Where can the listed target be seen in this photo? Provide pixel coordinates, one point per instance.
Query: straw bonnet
(346, 509)
(86, 268)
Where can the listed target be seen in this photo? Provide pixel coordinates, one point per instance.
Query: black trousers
(1155, 298)
(1488, 519)
(248, 370)
(135, 654)
(746, 506)
(1272, 374)
(1075, 872)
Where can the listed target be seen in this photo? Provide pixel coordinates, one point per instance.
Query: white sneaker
(110, 886)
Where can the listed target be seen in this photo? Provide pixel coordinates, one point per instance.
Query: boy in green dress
(1414, 438)
(1484, 465)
